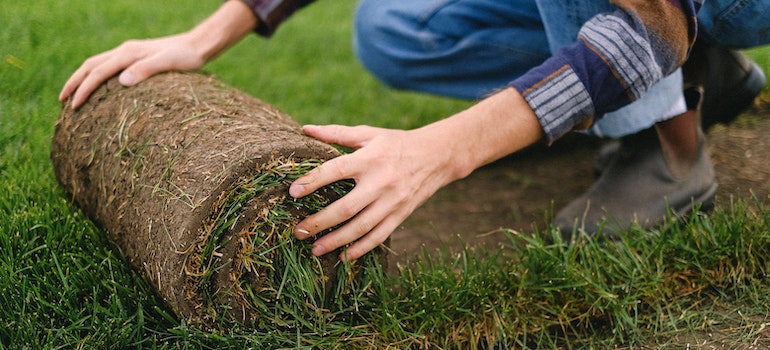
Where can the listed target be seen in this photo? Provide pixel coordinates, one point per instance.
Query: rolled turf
(190, 178)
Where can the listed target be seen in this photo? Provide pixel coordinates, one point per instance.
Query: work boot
(731, 83)
(638, 186)
(723, 82)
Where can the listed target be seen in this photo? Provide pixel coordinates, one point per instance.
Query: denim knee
(735, 23)
(379, 44)
(464, 49)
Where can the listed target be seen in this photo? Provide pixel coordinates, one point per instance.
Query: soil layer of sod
(190, 178)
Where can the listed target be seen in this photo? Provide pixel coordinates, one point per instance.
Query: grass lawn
(63, 284)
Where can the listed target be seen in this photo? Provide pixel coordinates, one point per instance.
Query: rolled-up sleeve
(618, 56)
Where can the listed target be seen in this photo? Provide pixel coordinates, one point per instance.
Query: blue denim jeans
(470, 48)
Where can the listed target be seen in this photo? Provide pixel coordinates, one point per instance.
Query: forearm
(223, 29)
(494, 128)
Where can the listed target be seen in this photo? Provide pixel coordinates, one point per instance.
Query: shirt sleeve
(272, 13)
(618, 56)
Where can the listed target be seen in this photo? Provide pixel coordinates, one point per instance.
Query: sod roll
(190, 178)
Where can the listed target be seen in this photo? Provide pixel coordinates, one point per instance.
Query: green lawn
(63, 284)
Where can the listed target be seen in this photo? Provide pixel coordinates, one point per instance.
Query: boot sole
(704, 203)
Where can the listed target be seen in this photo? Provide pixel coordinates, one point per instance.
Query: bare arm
(139, 59)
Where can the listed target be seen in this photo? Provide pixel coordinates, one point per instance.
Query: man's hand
(139, 59)
(395, 171)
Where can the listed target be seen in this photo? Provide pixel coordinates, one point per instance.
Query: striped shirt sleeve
(618, 56)
(272, 13)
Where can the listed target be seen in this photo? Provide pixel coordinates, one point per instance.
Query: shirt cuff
(272, 13)
(558, 97)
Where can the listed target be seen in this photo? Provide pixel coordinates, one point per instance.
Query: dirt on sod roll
(190, 178)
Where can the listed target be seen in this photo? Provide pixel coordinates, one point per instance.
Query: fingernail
(302, 233)
(308, 126)
(319, 250)
(127, 78)
(296, 190)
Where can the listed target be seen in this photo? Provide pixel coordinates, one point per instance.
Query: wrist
(228, 25)
(492, 129)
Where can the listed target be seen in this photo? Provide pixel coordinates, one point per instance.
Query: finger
(348, 136)
(151, 65)
(136, 73)
(371, 241)
(368, 229)
(77, 77)
(334, 214)
(330, 171)
(99, 75)
(109, 64)
(94, 78)
(72, 83)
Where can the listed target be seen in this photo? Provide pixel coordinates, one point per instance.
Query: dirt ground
(525, 189)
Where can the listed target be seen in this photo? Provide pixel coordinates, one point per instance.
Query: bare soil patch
(522, 191)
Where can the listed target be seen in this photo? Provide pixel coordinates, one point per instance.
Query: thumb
(347, 136)
(138, 72)
(127, 78)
